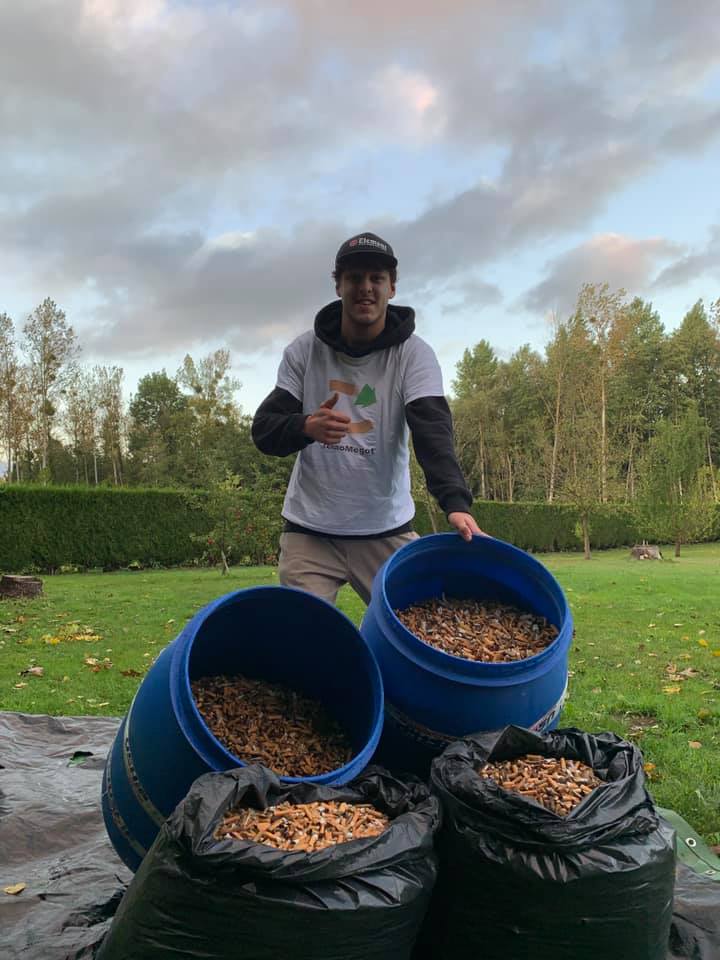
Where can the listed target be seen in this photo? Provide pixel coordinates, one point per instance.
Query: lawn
(645, 662)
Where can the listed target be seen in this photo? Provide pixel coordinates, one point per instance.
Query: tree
(245, 521)
(9, 376)
(521, 457)
(695, 347)
(568, 364)
(675, 505)
(109, 392)
(421, 494)
(154, 433)
(600, 309)
(81, 424)
(210, 421)
(51, 347)
(638, 387)
(475, 388)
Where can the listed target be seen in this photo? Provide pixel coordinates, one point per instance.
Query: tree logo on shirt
(366, 397)
(360, 398)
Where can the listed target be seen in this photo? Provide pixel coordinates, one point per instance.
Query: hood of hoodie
(399, 324)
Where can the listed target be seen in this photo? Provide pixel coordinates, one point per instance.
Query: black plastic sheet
(52, 838)
(196, 896)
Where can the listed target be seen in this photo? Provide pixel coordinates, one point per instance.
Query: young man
(346, 394)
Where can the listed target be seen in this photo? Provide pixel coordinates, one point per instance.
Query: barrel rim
(448, 664)
(180, 672)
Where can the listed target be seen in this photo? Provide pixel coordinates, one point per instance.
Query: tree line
(614, 409)
(63, 422)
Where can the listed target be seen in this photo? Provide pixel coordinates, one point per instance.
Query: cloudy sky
(178, 174)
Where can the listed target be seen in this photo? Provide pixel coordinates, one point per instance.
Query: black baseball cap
(366, 243)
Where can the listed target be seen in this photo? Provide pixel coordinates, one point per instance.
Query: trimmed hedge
(549, 527)
(46, 528)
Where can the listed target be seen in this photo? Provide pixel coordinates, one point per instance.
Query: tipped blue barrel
(278, 634)
(432, 697)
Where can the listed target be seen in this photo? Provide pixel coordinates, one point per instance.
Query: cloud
(622, 262)
(473, 294)
(183, 161)
(692, 265)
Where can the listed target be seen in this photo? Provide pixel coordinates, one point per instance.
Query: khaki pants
(321, 565)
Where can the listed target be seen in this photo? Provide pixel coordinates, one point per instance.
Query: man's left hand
(465, 525)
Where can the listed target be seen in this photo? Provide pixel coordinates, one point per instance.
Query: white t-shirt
(361, 485)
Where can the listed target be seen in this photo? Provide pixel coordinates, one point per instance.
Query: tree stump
(11, 586)
(646, 551)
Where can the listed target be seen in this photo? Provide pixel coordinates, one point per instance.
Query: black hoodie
(279, 421)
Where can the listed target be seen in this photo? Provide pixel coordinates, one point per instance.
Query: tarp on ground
(53, 840)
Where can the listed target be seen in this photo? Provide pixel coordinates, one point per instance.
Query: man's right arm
(278, 424)
(280, 427)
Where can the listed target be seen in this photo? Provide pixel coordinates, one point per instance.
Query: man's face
(365, 290)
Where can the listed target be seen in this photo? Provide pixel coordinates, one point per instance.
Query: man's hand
(327, 425)
(465, 525)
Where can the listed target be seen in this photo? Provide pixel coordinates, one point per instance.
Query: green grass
(645, 662)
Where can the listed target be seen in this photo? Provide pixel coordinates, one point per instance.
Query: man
(346, 394)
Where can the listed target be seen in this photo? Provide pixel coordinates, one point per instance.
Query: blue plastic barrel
(278, 634)
(432, 697)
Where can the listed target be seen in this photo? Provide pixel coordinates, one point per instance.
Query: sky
(178, 176)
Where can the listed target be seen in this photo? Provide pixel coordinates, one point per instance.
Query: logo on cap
(370, 242)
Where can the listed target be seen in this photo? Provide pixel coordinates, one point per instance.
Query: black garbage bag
(195, 896)
(519, 881)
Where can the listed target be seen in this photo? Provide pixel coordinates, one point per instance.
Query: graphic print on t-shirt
(364, 397)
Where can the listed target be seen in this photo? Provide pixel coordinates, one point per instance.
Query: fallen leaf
(703, 642)
(105, 703)
(14, 889)
(651, 625)
(97, 665)
(19, 685)
(695, 744)
(597, 690)
(689, 672)
(701, 633)
(677, 624)
(670, 690)
(649, 767)
(130, 673)
(716, 653)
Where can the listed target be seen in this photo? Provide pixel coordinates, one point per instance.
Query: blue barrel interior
(460, 571)
(303, 643)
